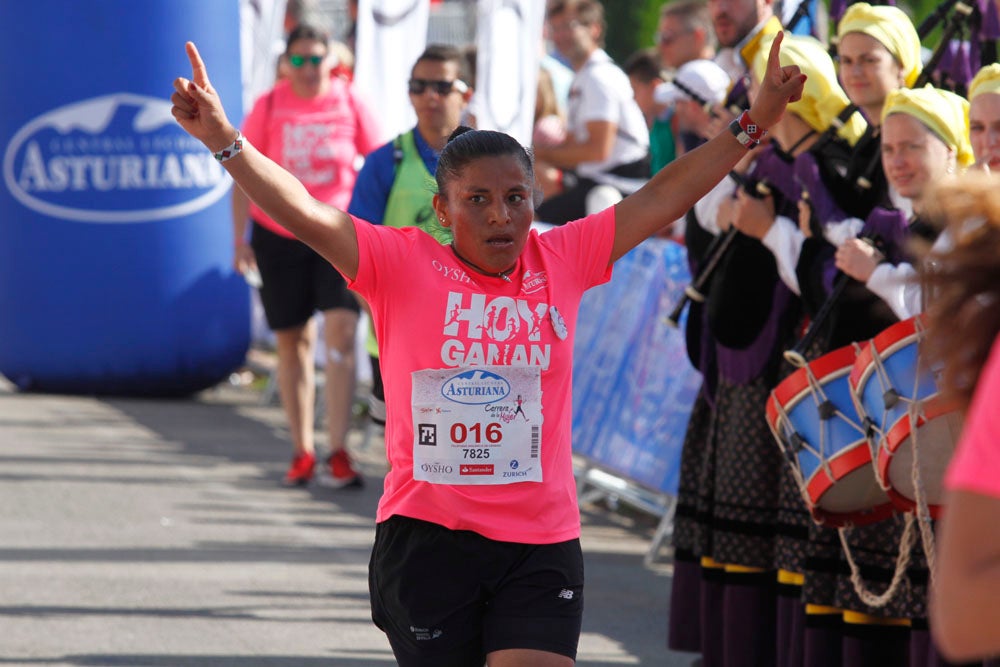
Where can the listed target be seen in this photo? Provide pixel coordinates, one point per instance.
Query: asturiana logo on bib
(475, 387)
(117, 158)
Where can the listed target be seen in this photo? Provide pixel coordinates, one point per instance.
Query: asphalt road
(155, 533)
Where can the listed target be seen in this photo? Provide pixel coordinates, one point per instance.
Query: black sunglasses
(418, 86)
(298, 61)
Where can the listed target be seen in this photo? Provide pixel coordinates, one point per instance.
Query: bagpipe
(969, 33)
(840, 179)
(716, 252)
(775, 174)
(769, 176)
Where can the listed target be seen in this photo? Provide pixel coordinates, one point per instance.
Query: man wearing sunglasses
(396, 184)
(685, 33)
(313, 125)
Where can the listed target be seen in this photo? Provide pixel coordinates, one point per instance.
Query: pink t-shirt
(431, 312)
(318, 140)
(975, 465)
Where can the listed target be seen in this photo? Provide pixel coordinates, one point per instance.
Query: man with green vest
(396, 184)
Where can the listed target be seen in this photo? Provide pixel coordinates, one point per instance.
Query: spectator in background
(439, 92)
(606, 152)
(562, 78)
(685, 33)
(739, 26)
(343, 61)
(396, 183)
(549, 130)
(550, 124)
(697, 88)
(644, 73)
(313, 125)
(351, 38)
(298, 12)
(470, 53)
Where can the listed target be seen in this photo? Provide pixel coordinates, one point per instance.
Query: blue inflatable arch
(115, 233)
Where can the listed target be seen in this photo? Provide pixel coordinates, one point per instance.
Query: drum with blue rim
(813, 418)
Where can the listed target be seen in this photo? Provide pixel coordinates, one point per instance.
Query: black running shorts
(297, 281)
(446, 598)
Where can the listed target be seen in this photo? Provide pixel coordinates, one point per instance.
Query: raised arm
(676, 187)
(329, 231)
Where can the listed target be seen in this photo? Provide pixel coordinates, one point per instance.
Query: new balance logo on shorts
(566, 594)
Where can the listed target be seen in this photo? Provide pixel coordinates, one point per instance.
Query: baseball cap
(700, 80)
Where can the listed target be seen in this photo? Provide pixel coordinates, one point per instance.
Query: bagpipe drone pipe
(745, 293)
(715, 251)
(730, 298)
(969, 33)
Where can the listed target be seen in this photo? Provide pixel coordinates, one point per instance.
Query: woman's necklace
(504, 275)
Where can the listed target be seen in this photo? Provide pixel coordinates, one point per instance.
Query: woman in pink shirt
(477, 555)
(313, 125)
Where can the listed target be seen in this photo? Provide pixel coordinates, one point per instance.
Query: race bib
(480, 425)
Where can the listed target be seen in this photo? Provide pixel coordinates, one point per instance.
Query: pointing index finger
(774, 57)
(199, 74)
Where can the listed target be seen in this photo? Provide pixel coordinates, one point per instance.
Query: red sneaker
(301, 470)
(340, 473)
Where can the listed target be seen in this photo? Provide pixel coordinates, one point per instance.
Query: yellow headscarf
(822, 98)
(945, 114)
(892, 28)
(987, 80)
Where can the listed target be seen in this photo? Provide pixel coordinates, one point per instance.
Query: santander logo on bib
(475, 387)
(118, 158)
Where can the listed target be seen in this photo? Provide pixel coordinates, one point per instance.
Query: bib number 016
(476, 434)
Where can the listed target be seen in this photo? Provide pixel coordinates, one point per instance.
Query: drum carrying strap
(920, 493)
(902, 562)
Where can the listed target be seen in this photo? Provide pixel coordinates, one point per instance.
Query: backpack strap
(397, 155)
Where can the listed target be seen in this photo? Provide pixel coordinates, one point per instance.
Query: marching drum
(813, 417)
(913, 430)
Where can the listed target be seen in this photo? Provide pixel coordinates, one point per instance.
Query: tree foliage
(631, 26)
